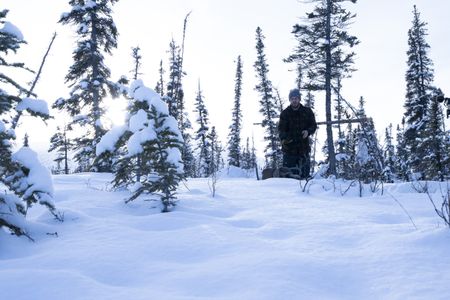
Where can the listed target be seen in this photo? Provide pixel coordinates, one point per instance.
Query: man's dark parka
(292, 123)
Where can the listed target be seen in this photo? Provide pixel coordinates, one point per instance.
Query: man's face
(295, 102)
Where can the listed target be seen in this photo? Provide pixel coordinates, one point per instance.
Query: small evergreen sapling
(60, 143)
(202, 133)
(153, 135)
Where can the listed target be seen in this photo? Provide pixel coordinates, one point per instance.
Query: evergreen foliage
(279, 101)
(341, 141)
(368, 159)
(160, 84)
(137, 57)
(151, 135)
(175, 92)
(246, 156)
(234, 137)
(311, 52)
(174, 98)
(401, 154)
(23, 180)
(389, 155)
(268, 106)
(216, 162)
(60, 143)
(310, 100)
(419, 90)
(89, 77)
(249, 156)
(435, 146)
(26, 142)
(349, 158)
(201, 137)
(321, 57)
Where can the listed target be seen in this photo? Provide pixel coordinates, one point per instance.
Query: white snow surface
(12, 29)
(254, 240)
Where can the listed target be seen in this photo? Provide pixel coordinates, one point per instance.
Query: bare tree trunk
(95, 92)
(66, 150)
(33, 85)
(330, 144)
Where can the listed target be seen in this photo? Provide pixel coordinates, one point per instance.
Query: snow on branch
(38, 180)
(34, 106)
(11, 29)
(109, 140)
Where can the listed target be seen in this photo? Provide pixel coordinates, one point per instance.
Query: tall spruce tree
(419, 90)
(321, 57)
(24, 180)
(202, 133)
(267, 102)
(89, 76)
(234, 137)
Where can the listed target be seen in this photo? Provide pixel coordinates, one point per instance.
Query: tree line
(157, 147)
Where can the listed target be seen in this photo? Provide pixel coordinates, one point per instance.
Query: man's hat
(294, 93)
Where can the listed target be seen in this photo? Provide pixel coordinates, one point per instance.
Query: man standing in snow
(297, 123)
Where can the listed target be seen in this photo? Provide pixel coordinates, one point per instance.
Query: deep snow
(254, 240)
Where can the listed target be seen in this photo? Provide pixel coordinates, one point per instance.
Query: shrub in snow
(151, 143)
(23, 180)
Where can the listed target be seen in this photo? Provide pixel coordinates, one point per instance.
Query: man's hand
(286, 142)
(305, 134)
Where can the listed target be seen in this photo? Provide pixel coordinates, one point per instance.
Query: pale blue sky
(219, 31)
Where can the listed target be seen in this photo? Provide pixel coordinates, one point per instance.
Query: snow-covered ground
(253, 240)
